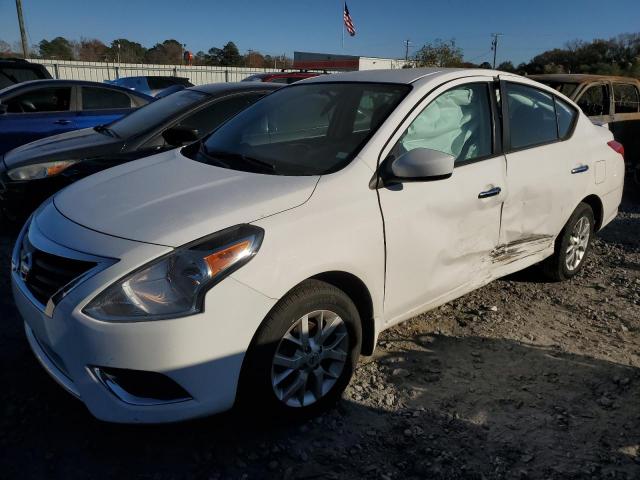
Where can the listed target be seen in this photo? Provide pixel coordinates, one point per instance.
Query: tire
(572, 245)
(266, 384)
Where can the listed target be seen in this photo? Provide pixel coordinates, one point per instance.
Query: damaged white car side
(257, 265)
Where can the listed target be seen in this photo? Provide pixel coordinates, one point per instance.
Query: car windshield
(310, 129)
(566, 88)
(156, 113)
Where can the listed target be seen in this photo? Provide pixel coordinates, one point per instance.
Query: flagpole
(342, 23)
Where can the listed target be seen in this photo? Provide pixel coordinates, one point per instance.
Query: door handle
(580, 169)
(490, 193)
(62, 122)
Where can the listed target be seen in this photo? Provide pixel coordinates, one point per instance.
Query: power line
(494, 46)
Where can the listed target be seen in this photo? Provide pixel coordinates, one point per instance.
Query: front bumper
(201, 353)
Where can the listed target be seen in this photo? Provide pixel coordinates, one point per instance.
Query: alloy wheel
(578, 243)
(310, 358)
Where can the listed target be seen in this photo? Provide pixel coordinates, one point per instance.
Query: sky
(279, 27)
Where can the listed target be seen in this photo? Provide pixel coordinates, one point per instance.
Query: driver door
(440, 234)
(35, 114)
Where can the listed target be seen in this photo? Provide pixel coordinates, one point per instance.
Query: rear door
(36, 113)
(440, 234)
(625, 125)
(99, 106)
(542, 168)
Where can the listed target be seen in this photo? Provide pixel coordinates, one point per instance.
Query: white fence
(101, 71)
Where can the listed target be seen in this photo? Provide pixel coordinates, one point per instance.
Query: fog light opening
(138, 387)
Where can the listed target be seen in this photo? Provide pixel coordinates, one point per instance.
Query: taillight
(617, 147)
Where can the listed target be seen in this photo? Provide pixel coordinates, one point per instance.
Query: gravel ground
(520, 379)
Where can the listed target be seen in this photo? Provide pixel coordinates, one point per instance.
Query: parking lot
(521, 379)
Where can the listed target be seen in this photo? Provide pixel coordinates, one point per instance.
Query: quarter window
(458, 123)
(94, 98)
(625, 97)
(595, 101)
(532, 116)
(42, 100)
(566, 117)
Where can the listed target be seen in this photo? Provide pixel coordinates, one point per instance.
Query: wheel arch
(598, 209)
(358, 292)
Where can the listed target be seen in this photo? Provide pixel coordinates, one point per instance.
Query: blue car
(151, 85)
(41, 108)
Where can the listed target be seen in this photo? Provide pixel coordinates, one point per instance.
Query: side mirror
(178, 136)
(417, 165)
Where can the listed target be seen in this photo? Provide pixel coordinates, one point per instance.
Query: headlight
(40, 170)
(175, 285)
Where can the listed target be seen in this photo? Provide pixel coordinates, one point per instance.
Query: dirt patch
(520, 379)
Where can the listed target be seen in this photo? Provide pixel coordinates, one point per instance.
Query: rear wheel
(572, 245)
(304, 353)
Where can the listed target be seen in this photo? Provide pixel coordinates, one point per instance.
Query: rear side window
(532, 116)
(594, 101)
(10, 76)
(566, 117)
(42, 100)
(625, 97)
(458, 123)
(94, 98)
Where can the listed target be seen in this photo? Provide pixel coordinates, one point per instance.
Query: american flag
(348, 22)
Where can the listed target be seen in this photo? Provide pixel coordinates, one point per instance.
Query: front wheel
(303, 354)
(572, 245)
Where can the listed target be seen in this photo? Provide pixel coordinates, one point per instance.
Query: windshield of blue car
(305, 129)
(156, 113)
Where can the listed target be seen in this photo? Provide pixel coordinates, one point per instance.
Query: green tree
(439, 54)
(507, 67)
(59, 48)
(230, 55)
(126, 50)
(92, 50)
(168, 52)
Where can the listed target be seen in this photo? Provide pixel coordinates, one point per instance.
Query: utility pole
(494, 46)
(23, 33)
(407, 44)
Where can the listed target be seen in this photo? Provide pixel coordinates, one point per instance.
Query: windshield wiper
(255, 162)
(105, 129)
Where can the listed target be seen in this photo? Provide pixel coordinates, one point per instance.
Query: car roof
(579, 77)
(86, 83)
(399, 75)
(218, 89)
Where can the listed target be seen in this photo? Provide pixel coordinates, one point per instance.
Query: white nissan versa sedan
(257, 265)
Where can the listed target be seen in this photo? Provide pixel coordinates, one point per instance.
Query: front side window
(532, 116)
(305, 129)
(94, 98)
(211, 117)
(625, 97)
(458, 123)
(156, 113)
(56, 99)
(594, 102)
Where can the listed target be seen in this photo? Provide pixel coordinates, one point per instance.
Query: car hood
(77, 144)
(169, 199)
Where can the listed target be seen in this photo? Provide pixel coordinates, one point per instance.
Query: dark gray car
(32, 172)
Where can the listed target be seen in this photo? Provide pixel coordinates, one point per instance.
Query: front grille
(44, 274)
